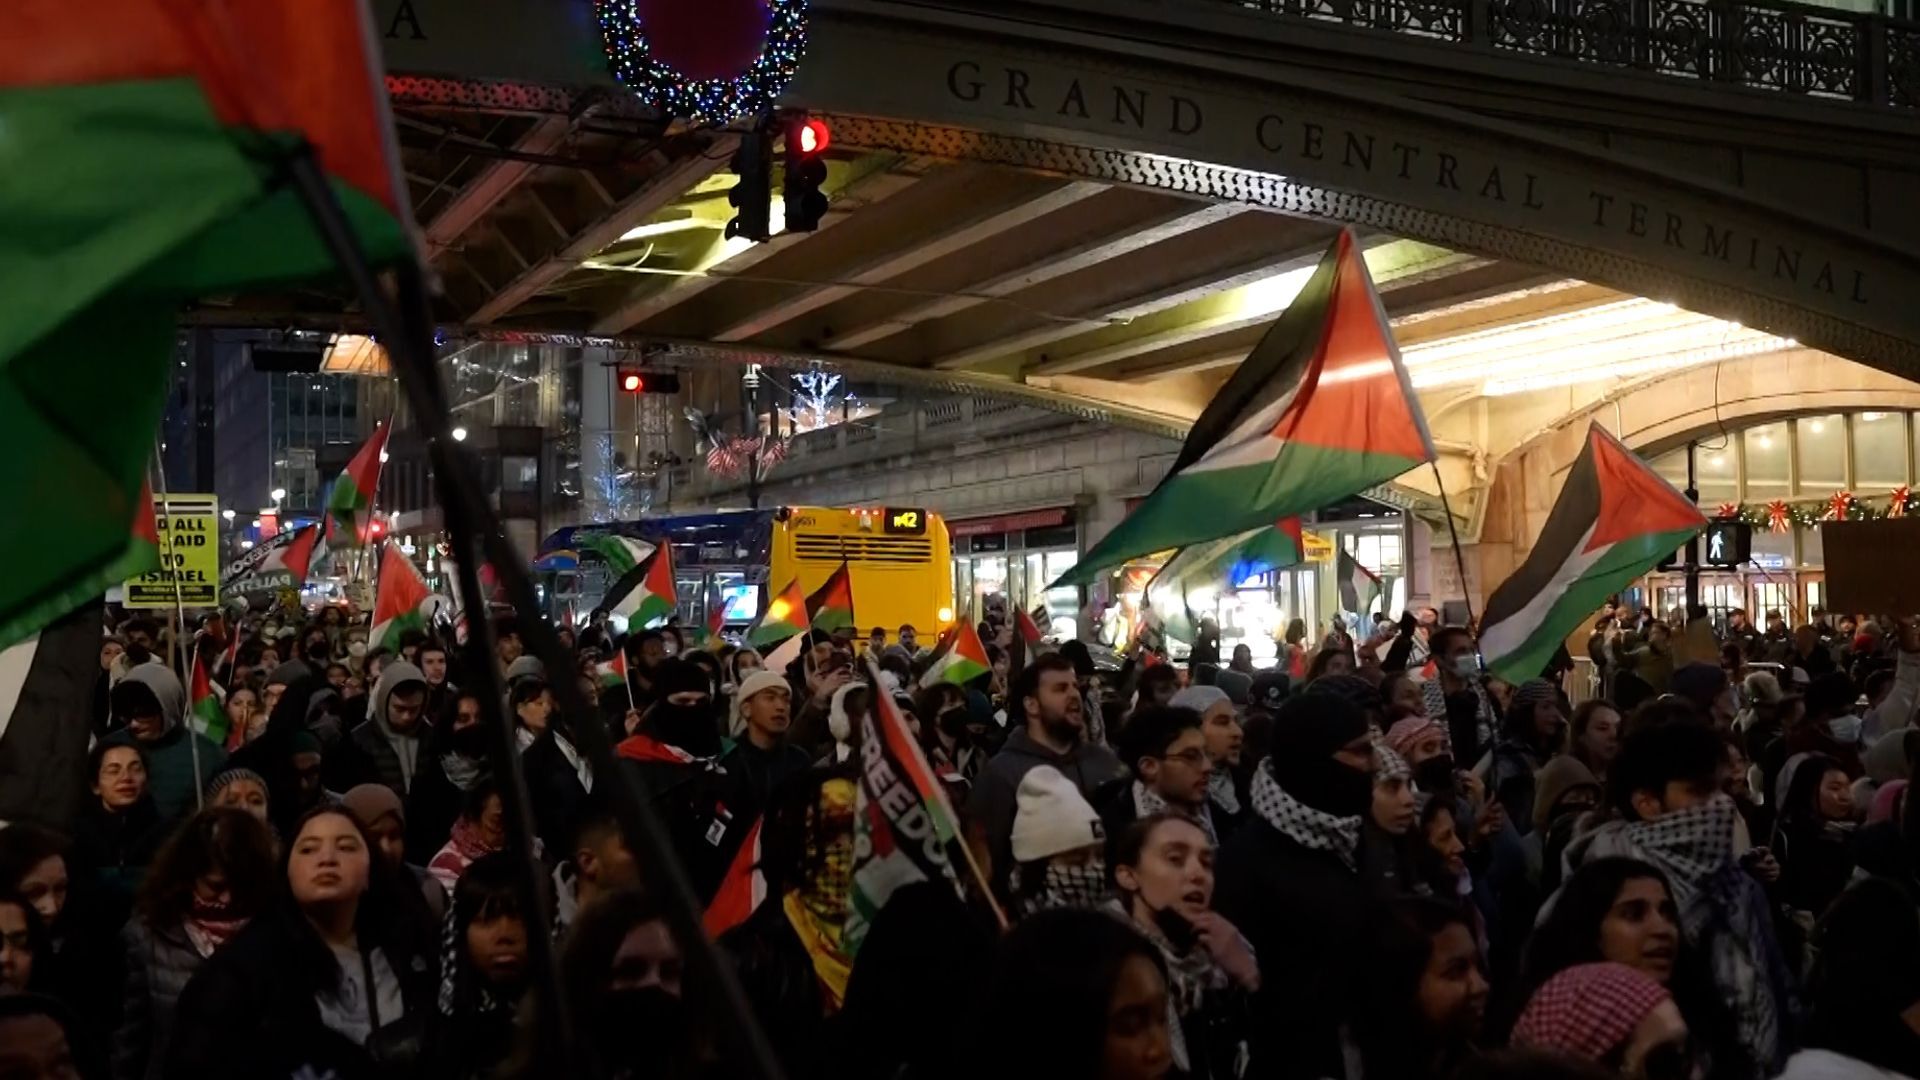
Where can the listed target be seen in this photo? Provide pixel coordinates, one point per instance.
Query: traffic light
(1728, 543)
(807, 141)
(752, 197)
(637, 381)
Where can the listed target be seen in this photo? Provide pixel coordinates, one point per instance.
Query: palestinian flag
(741, 891)
(621, 553)
(1225, 562)
(294, 559)
(1615, 519)
(612, 672)
(831, 606)
(1028, 630)
(964, 661)
(1320, 410)
(396, 604)
(903, 825)
(644, 595)
(142, 151)
(207, 715)
(1359, 586)
(350, 505)
(786, 615)
(716, 616)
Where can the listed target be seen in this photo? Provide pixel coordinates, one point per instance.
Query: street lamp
(279, 494)
(383, 457)
(227, 513)
(460, 433)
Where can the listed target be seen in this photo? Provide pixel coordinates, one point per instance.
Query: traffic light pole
(1693, 545)
(751, 382)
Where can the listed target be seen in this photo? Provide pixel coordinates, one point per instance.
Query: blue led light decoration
(703, 101)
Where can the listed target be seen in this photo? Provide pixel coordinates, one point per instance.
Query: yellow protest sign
(189, 531)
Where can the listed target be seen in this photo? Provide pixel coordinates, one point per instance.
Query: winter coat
(373, 753)
(159, 964)
(114, 850)
(753, 774)
(171, 779)
(553, 785)
(691, 796)
(991, 804)
(1308, 915)
(247, 1013)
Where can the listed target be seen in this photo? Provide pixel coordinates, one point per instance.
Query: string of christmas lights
(703, 101)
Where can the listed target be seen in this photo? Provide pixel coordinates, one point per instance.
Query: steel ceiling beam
(494, 183)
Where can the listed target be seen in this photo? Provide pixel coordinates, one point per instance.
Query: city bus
(899, 559)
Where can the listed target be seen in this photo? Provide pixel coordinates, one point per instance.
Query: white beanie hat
(751, 685)
(1052, 817)
(1199, 698)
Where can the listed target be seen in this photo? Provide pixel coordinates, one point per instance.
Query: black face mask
(689, 727)
(1332, 788)
(645, 1025)
(469, 742)
(1434, 775)
(953, 722)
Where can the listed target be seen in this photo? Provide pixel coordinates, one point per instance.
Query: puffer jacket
(158, 965)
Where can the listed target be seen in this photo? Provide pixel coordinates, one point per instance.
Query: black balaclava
(1306, 732)
(692, 728)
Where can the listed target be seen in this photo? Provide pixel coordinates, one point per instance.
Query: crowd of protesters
(1371, 860)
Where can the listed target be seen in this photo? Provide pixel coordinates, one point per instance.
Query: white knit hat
(753, 684)
(1052, 817)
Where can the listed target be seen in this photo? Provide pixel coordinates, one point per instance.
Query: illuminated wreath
(695, 65)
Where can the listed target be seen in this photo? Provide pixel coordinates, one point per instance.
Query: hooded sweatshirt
(390, 757)
(170, 758)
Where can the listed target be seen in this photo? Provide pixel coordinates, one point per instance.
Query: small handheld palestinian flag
(645, 594)
(786, 615)
(1615, 519)
(964, 661)
(613, 672)
(209, 714)
(1359, 586)
(1028, 630)
(396, 603)
(1320, 410)
(716, 617)
(350, 504)
(831, 605)
(741, 891)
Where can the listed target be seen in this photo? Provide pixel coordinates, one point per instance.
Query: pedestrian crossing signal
(1727, 543)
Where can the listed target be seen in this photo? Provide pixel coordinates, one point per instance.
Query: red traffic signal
(638, 381)
(811, 137)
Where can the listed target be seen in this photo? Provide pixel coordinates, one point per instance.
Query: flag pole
(405, 321)
(1459, 557)
(179, 623)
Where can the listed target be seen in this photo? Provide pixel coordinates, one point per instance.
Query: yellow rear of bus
(899, 559)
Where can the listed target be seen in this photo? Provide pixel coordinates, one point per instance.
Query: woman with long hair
(118, 829)
(1426, 996)
(1621, 910)
(1293, 651)
(210, 878)
(1163, 873)
(456, 761)
(1813, 835)
(559, 778)
(325, 979)
(483, 971)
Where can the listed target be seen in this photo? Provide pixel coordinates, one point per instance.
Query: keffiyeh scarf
(1147, 802)
(1302, 824)
(1062, 885)
(1220, 792)
(210, 925)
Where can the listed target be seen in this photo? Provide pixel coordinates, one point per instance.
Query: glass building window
(1822, 442)
(1768, 470)
(1772, 550)
(1812, 553)
(519, 472)
(1879, 451)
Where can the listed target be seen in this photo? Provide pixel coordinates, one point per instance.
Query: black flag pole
(405, 325)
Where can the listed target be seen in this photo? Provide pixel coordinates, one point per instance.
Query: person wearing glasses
(1165, 747)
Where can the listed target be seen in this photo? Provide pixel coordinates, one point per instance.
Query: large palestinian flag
(142, 151)
(1222, 563)
(904, 826)
(1320, 410)
(830, 607)
(1614, 519)
(396, 604)
(350, 504)
(645, 594)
